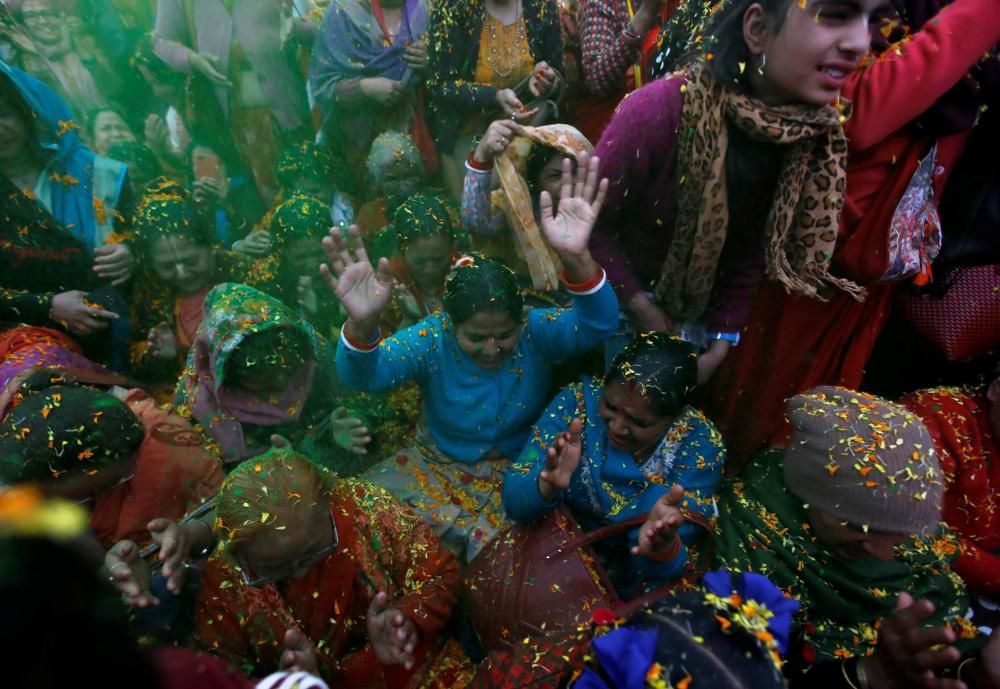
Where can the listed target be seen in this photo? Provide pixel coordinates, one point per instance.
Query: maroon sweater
(638, 153)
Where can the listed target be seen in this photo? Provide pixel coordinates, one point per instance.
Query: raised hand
(568, 228)
(657, 535)
(363, 290)
(299, 654)
(561, 461)
(349, 433)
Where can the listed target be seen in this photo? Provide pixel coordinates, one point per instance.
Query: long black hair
(664, 369)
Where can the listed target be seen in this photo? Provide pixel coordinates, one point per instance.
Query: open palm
(363, 290)
(568, 228)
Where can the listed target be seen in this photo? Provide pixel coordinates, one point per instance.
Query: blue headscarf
(87, 188)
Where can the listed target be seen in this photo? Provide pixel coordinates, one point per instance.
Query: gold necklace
(513, 50)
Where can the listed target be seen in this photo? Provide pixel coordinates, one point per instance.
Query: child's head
(175, 246)
(485, 304)
(790, 51)
(426, 233)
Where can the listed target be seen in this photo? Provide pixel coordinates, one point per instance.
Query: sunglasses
(251, 578)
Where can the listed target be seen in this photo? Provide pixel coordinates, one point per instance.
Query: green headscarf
(64, 429)
(763, 528)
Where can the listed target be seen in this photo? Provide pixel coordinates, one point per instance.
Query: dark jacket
(455, 28)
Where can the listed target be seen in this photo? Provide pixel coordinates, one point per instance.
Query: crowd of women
(500, 343)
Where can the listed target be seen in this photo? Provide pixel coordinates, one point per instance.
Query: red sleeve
(606, 55)
(908, 78)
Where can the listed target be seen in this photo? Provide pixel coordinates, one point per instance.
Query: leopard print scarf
(805, 214)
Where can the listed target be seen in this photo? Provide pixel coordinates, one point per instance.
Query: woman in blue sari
(366, 71)
(625, 446)
(58, 206)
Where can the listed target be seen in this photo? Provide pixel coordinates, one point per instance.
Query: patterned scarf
(763, 528)
(805, 214)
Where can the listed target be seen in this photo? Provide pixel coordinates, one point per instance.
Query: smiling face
(109, 129)
(489, 338)
(632, 424)
(851, 542)
(42, 22)
(810, 57)
(182, 264)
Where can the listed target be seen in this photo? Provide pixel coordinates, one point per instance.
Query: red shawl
(383, 547)
(792, 344)
(959, 421)
(174, 473)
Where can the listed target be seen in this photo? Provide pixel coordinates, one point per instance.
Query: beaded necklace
(513, 50)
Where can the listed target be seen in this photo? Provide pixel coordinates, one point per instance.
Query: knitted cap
(863, 460)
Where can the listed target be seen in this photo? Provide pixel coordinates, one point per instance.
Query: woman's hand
(161, 343)
(114, 262)
(175, 550)
(392, 634)
(415, 55)
(568, 231)
(72, 311)
(659, 532)
(157, 134)
(363, 290)
(208, 191)
(308, 299)
(255, 244)
(647, 316)
(512, 106)
(496, 140)
(349, 433)
(207, 65)
(130, 575)
(299, 654)
(543, 78)
(711, 359)
(561, 461)
(381, 90)
(907, 654)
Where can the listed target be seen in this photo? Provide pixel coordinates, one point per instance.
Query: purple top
(638, 153)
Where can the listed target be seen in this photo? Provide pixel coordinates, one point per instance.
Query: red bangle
(363, 347)
(476, 165)
(584, 286)
(669, 555)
